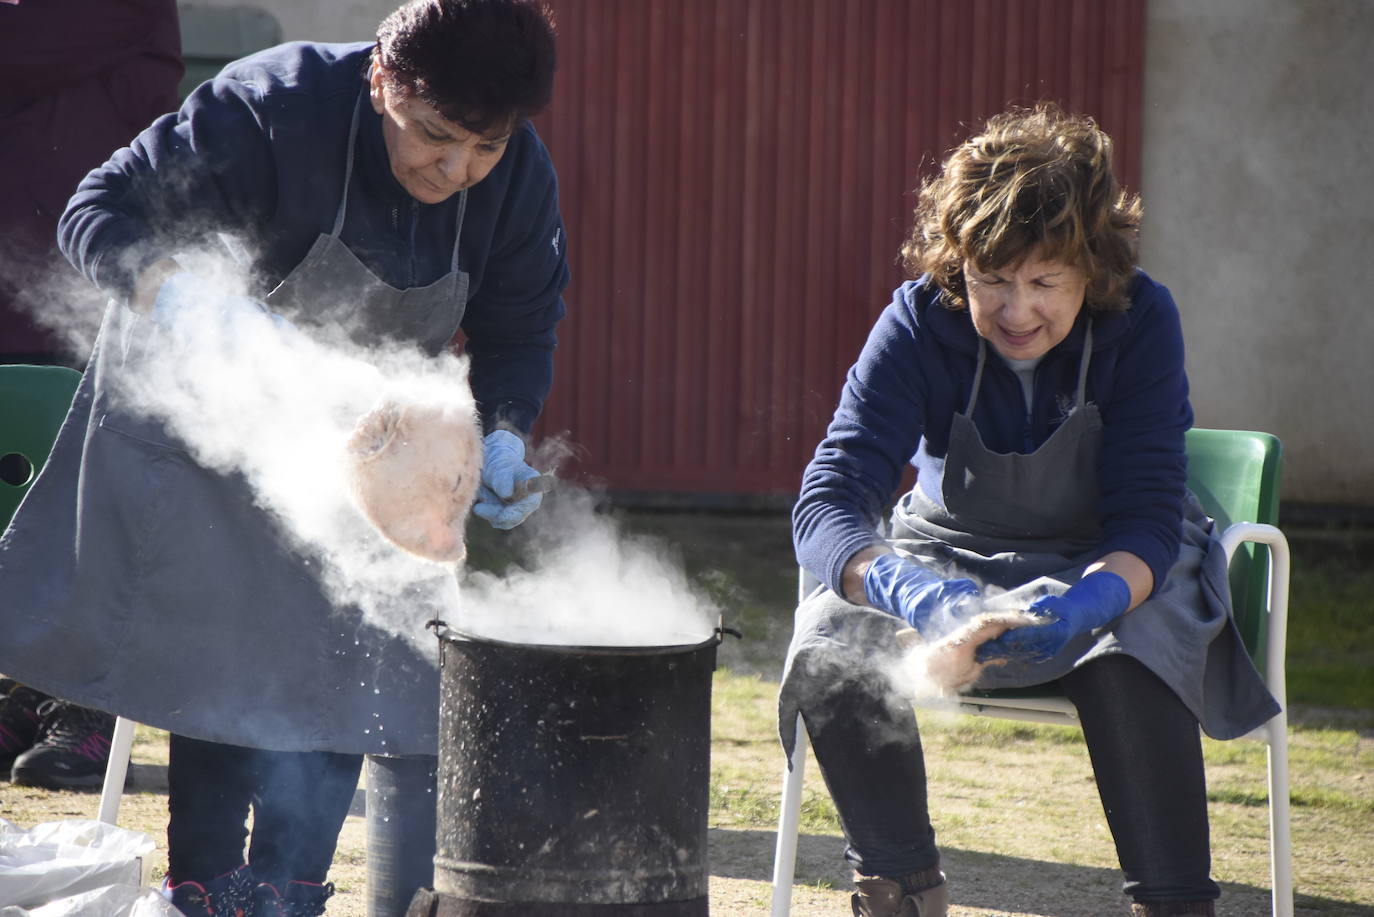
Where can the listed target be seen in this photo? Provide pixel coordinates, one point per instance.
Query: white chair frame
(1058, 710)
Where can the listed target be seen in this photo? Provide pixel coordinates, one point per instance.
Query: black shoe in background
(19, 720)
(71, 751)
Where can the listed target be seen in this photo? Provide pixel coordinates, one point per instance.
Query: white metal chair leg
(1280, 839)
(789, 824)
(121, 745)
(1276, 730)
(1280, 836)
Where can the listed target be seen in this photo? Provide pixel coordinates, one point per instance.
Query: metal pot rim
(445, 632)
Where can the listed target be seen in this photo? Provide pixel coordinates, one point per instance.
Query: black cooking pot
(572, 780)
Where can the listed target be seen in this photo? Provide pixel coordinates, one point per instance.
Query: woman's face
(433, 158)
(1023, 310)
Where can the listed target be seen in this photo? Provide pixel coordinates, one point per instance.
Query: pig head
(413, 470)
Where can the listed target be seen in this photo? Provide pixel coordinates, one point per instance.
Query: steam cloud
(277, 405)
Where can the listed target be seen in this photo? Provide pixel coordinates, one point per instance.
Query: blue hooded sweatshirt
(916, 372)
(259, 153)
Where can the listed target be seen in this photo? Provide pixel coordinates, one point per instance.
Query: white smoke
(277, 405)
(589, 585)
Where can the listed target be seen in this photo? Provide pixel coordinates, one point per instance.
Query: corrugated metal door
(737, 177)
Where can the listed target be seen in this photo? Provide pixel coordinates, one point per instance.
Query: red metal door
(737, 176)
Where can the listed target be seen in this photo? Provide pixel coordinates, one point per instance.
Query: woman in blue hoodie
(1034, 376)
(393, 191)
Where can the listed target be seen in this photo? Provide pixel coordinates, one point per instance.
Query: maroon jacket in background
(78, 80)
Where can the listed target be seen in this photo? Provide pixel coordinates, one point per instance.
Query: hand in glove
(503, 468)
(184, 294)
(1093, 601)
(916, 595)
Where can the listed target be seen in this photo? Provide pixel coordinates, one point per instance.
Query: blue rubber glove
(918, 596)
(503, 467)
(1091, 602)
(184, 294)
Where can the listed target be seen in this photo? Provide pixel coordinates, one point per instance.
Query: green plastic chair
(33, 402)
(1235, 475)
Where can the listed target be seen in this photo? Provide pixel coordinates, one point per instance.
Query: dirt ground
(1020, 826)
(1049, 872)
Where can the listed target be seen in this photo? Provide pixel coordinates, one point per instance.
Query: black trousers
(1146, 753)
(299, 801)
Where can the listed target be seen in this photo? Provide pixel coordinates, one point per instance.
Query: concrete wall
(1258, 148)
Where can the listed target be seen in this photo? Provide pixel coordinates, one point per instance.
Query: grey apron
(1027, 524)
(135, 580)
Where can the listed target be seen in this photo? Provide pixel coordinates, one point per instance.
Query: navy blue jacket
(259, 152)
(916, 372)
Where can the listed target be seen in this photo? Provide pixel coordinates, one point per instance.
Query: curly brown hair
(1034, 179)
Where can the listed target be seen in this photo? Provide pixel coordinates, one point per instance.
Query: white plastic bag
(60, 859)
(110, 901)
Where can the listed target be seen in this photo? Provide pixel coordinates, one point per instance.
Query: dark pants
(299, 802)
(1146, 753)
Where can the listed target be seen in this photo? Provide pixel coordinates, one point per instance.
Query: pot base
(429, 903)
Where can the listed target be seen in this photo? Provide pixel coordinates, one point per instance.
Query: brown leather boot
(1173, 909)
(878, 897)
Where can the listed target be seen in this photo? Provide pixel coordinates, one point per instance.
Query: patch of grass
(986, 731)
(818, 814)
(741, 805)
(1331, 620)
(1025, 789)
(1330, 683)
(1330, 799)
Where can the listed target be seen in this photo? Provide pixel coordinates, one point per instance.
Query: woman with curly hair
(1034, 376)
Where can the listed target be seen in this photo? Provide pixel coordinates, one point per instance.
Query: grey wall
(320, 20)
(1258, 183)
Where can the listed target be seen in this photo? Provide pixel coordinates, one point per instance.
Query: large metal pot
(572, 780)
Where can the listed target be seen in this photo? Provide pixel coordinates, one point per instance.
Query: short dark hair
(1032, 179)
(484, 64)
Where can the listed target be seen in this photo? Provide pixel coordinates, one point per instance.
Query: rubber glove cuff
(503, 468)
(1093, 601)
(184, 293)
(920, 597)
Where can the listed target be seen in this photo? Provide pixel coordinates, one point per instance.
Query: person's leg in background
(401, 838)
(299, 807)
(1146, 752)
(209, 790)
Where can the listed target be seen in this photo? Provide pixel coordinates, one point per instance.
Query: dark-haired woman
(392, 189)
(1034, 377)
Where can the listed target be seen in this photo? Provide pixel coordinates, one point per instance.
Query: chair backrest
(33, 403)
(1235, 474)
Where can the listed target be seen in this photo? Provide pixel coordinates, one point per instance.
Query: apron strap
(458, 228)
(977, 377)
(348, 166)
(1083, 363)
